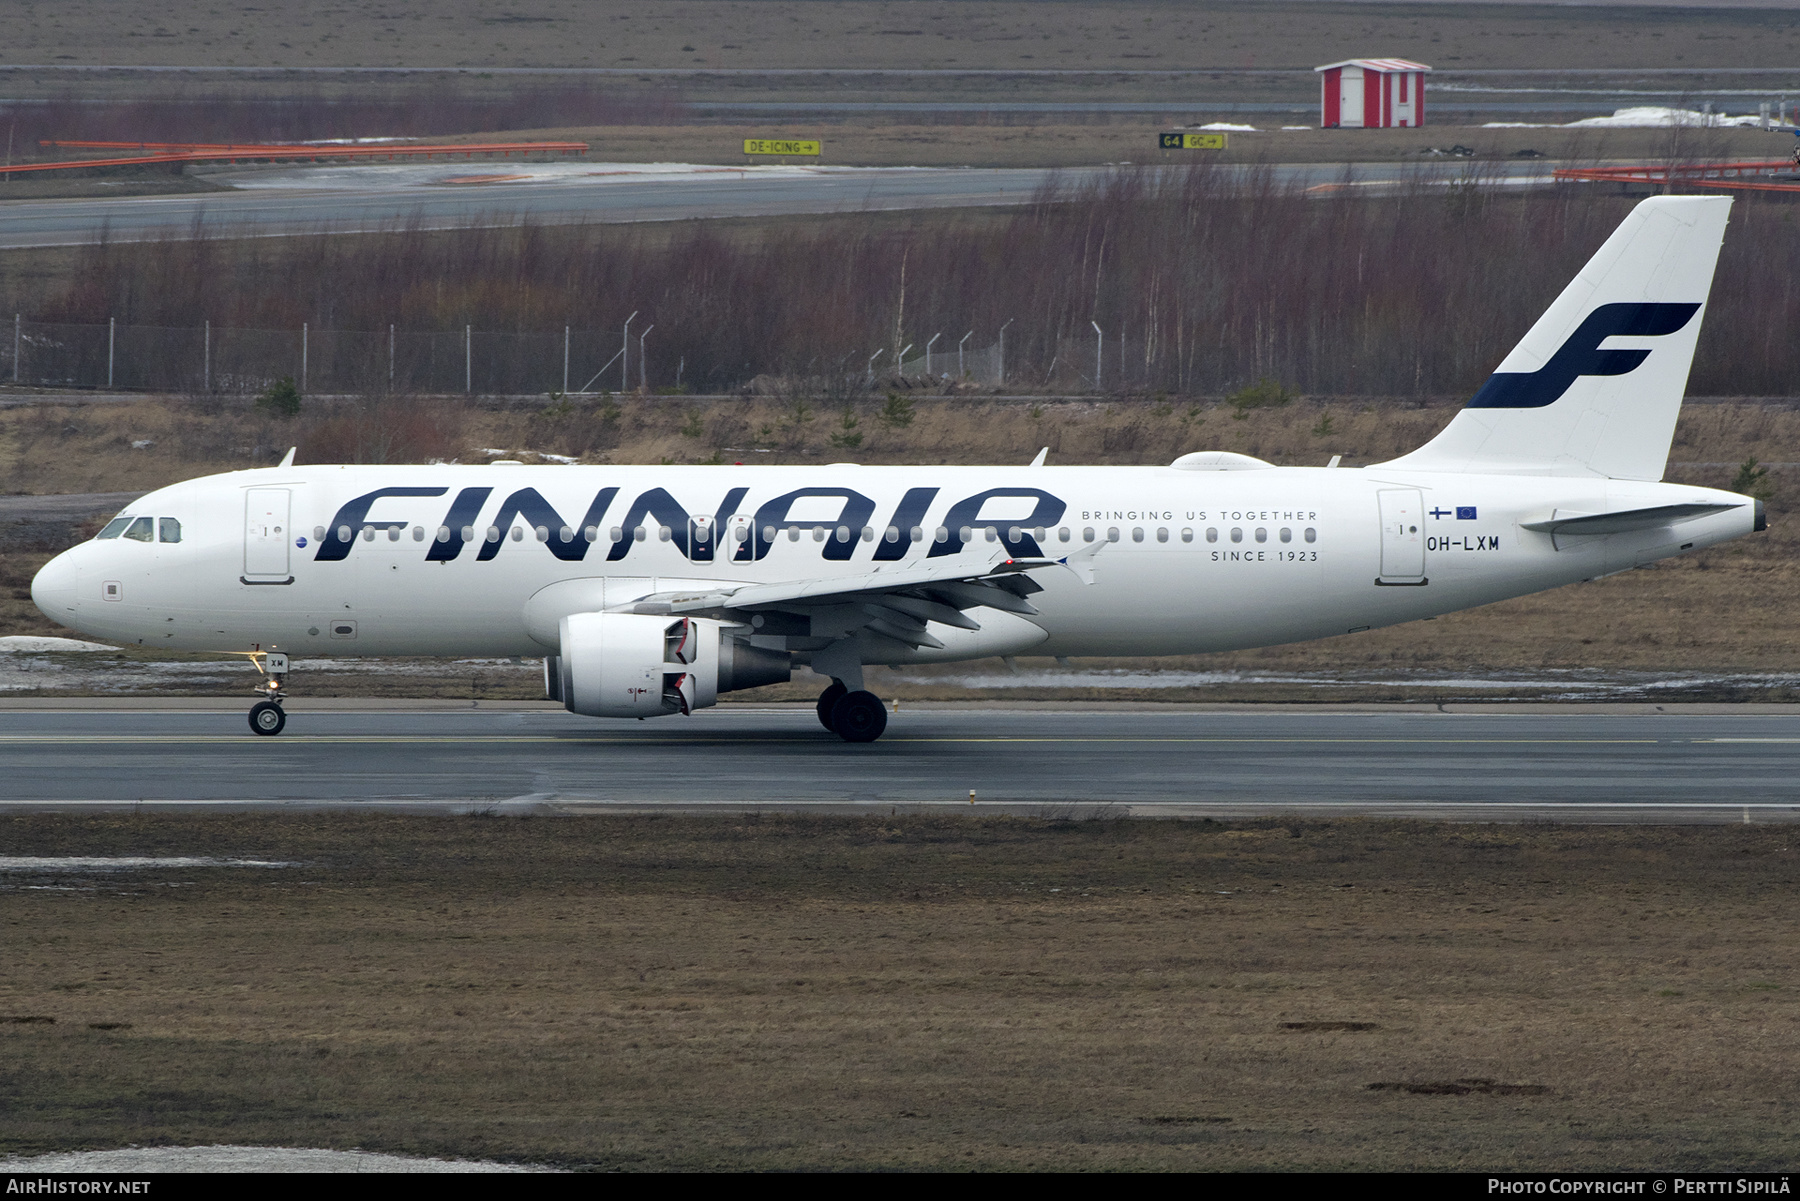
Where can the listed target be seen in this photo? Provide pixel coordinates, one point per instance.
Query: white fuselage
(1205, 560)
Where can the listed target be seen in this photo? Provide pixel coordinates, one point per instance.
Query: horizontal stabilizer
(1623, 521)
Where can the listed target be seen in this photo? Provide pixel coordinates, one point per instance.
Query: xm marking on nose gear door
(266, 536)
(1402, 537)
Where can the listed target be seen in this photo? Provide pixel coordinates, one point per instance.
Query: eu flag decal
(1465, 512)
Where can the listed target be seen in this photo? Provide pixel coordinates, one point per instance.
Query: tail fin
(1594, 389)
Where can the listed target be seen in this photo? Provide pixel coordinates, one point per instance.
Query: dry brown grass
(910, 992)
(1052, 142)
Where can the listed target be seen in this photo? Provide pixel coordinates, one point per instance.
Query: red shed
(1372, 93)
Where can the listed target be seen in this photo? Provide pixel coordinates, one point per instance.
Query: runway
(270, 212)
(1568, 763)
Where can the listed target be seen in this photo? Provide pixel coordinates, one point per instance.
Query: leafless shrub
(1203, 281)
(382, 428)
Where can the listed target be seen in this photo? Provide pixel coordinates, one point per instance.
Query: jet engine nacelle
(644, 665)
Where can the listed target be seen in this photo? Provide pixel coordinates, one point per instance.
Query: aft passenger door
(1402, 537)
(267, 536)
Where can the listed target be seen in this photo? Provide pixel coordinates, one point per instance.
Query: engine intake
(645, 665)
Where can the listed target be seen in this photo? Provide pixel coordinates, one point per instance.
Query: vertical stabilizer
(1594, 389)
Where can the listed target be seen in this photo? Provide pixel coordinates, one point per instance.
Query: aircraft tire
(266, 717)
(827, 701)
(859, 717)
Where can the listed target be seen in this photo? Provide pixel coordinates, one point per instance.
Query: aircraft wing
(896, 600)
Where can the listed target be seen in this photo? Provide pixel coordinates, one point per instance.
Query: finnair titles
(650, 591)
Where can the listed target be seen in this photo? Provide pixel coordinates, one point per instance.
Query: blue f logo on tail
(1581, 355)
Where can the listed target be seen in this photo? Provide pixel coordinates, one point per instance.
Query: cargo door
(266, 540)
(1402, 536)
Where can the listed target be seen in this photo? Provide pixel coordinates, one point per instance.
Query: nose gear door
(1402, 537)
(267, 536)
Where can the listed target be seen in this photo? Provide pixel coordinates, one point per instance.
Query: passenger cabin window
(114, 528)
(169, 530)
(1212, 534)
(142, 530)
(1312, 535)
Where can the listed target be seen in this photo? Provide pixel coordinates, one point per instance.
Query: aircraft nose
(53, 588)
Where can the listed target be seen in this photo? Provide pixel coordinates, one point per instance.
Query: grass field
(1132, 139)
(909, 992)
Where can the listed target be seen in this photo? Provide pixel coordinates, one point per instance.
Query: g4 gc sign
(1192, 141)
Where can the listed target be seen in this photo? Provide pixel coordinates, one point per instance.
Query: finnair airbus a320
(651, 590)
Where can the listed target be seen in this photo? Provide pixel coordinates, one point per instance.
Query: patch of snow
(31, 644)
(1226, 127)
(122, 863)
(1657, 116)
(1296, 127)
(437, 173)
(131, 1160)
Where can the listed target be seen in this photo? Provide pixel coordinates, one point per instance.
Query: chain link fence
(975, 365)
(146, 358)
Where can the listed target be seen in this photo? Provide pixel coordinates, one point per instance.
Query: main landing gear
(267, 716)
(853, 716)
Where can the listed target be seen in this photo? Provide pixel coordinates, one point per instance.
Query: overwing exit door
(266, 536)
(1402, 536)
(700, 538)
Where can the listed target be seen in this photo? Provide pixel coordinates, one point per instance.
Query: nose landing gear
(267, 716)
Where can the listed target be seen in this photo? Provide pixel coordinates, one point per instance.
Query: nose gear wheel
(266, 717)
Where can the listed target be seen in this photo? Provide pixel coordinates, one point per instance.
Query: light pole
(960, 373)
(625, 366)
(1099, 353)
(641, 377)
(928, 345)
(1002, 373)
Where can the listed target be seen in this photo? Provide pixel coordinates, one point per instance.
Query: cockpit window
(142, 530)
(114, 528)
(170, 530)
